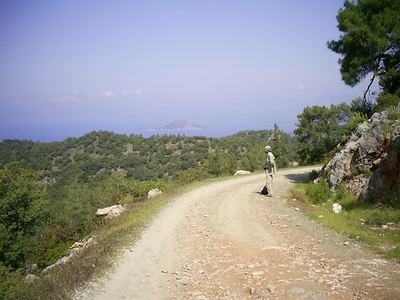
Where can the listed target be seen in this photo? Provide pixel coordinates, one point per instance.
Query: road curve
(226, 241)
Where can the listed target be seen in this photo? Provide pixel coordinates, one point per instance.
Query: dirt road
(226, 241)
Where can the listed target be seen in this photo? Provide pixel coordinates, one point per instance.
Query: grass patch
(376, 226)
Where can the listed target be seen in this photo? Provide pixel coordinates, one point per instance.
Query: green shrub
(10, 283)
(319, 193)
(394, 252)
(394, 113)
(147, 186)
(356, 121)
(343, 196)
(314, 175)
(379, 217)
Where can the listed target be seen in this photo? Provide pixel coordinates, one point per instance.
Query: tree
(370, 42)
(22, 202)
(218, 163)
(319, 131)
(279, 145)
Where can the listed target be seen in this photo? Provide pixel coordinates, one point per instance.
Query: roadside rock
(336, 208)
(60, 262)
(241, 172)
(110, 212)
(153, 193)
(78, 246)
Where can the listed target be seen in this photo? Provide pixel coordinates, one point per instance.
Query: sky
(72, 67)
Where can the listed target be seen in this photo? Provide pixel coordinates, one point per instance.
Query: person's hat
(268, 148)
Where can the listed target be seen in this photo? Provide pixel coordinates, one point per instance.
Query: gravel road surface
(227, 241)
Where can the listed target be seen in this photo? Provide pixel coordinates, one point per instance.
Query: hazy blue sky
(72, 67)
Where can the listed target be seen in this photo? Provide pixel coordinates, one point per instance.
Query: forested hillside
(77, 176)
(95, 156)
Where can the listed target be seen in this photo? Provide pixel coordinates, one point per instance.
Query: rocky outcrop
(369, 160)
(385, 181)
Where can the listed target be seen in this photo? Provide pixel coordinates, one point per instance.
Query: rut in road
(226, 241)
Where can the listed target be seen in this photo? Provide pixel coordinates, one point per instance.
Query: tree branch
(369, 86)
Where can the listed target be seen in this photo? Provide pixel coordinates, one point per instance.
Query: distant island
(179, 126)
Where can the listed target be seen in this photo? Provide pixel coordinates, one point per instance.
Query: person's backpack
(264, 191)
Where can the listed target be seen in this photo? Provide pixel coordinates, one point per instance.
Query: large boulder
(366, 153)
(385, 180)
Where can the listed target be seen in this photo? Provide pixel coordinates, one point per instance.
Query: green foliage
(382, 217)
(191, 175)
(218, 163)
(386, 101)
(319, 131)
(93, 158)
(281, 144)
(22, 202)
(394, 252)
(313, 175)
(319, 193)
(394, 113)
(370, 42)
(61, 283)
(362, 108)
(356, 121)
(10, 283)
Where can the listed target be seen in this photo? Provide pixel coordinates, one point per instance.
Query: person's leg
(268, 182)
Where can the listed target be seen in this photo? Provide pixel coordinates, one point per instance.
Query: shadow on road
(297, 178)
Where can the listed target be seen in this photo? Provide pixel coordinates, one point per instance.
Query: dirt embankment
(226, 241)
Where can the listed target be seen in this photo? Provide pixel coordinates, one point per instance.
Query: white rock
(241, 172)
(336, 208)
(110, 212)
(153, 193)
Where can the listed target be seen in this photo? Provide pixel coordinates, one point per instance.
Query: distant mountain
(179, 125)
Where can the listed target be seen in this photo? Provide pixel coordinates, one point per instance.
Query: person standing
(270, 170)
